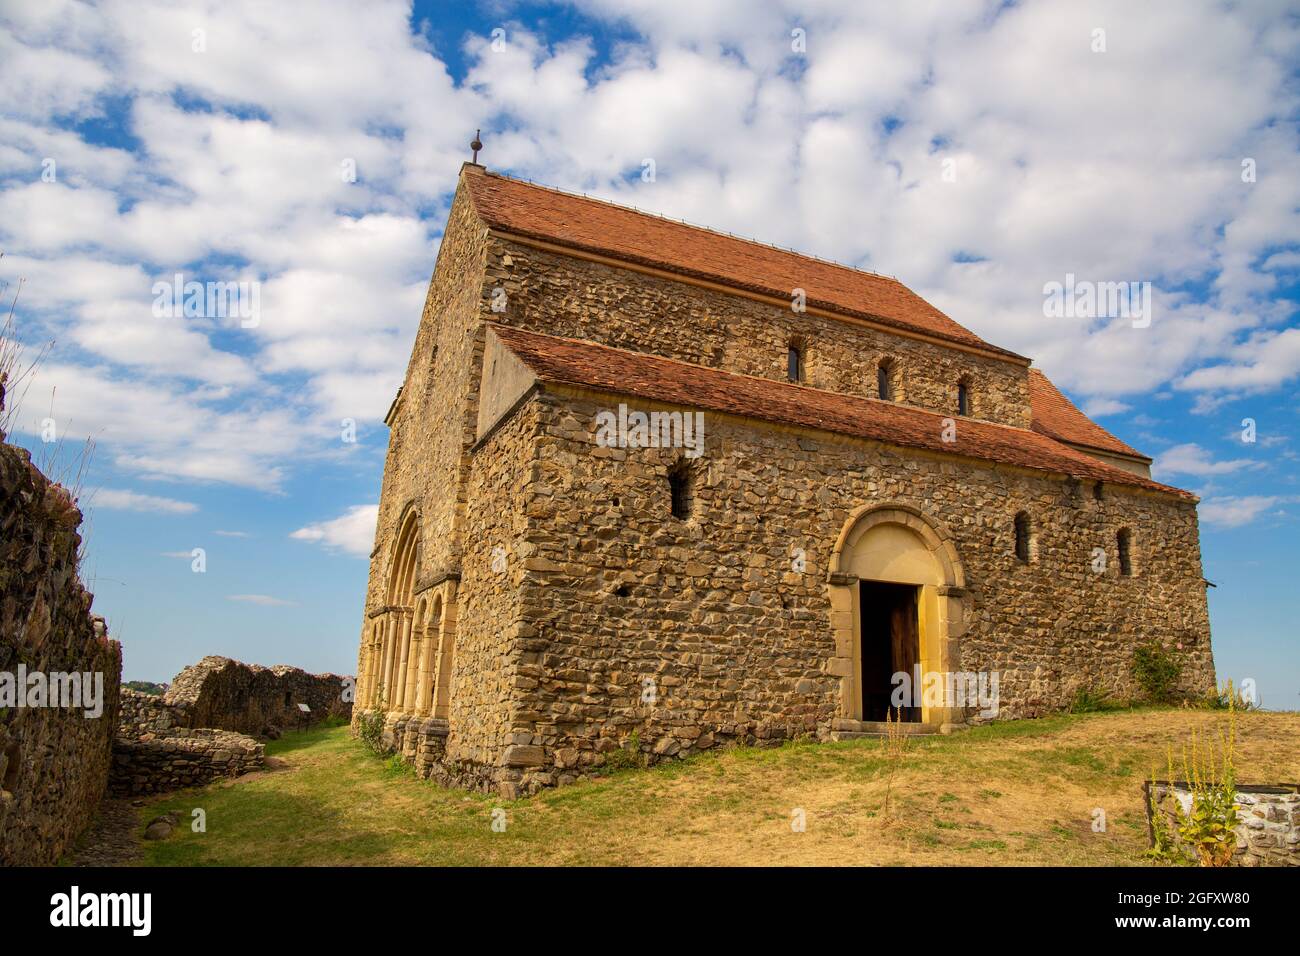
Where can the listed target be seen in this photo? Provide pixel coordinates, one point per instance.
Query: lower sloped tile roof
(1057, 417)
(642, 375)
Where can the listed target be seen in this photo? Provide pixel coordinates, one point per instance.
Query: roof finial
(476, 145)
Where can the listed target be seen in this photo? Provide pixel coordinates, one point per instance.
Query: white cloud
(122, 500)
(1191, 459)
(837, 152)
(352, 532)
(1233, 512)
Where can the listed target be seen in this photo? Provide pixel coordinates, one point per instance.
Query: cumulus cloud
(1191, 459)
(117, 499)
(1233, 512)
(238, 158)
(352, 532)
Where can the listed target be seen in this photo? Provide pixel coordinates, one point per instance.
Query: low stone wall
(248, 698)
(54, 759)
(1268, 833)
(180, 758)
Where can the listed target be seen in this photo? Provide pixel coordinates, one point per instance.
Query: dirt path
(113, 839)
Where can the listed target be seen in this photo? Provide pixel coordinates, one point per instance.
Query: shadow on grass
(266, 828)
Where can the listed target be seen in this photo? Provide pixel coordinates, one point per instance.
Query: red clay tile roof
(1055, 416)
(602, 228)
(600, 367)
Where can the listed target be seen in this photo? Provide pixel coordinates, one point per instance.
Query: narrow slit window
(1022, 537)
(681, 493)
(963, 398)
(794, 363)
(1123, 545)
(884, 381)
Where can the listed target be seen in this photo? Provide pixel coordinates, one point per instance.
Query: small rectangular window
(963, 399)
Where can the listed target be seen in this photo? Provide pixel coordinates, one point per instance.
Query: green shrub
(1205, 833)
(370, 728)
(1157, 669)
(628, 756)
(1090, 700)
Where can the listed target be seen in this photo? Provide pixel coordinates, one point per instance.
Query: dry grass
(1017, 793)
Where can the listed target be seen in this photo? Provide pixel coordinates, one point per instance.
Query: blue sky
(976, 150)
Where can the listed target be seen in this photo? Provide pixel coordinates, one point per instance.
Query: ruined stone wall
(181, 757)
(559, 295)
(616, 590)
(141, 714)
(226, 694)
(54, 760)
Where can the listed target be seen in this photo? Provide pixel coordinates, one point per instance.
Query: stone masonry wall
(226, 694)
(142, 714)
(602, 588)
(613, 589)
(494, 663)
(427, 466)
(182, 757)
(54, 760)
(559, 295)
(1268, 833)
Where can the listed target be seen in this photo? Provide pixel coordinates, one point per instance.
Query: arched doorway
(896, 589)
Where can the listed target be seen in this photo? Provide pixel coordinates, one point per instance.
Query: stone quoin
(879, 491)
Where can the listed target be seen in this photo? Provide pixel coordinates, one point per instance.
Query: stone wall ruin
(54, 759)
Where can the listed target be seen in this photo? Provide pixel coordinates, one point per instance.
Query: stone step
(880, 728)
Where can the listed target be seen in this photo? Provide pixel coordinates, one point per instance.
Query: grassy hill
(1014, 793)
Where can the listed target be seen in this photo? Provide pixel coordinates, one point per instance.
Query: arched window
(1123, 544)
(885, 380)
(794, 362)
(401, 588)
(1023, 537)
(963, 397)
(681, 490)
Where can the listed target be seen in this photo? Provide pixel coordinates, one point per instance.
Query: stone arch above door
(934, 536)
(896, 543)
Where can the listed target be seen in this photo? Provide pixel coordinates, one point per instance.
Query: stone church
(649, 483)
